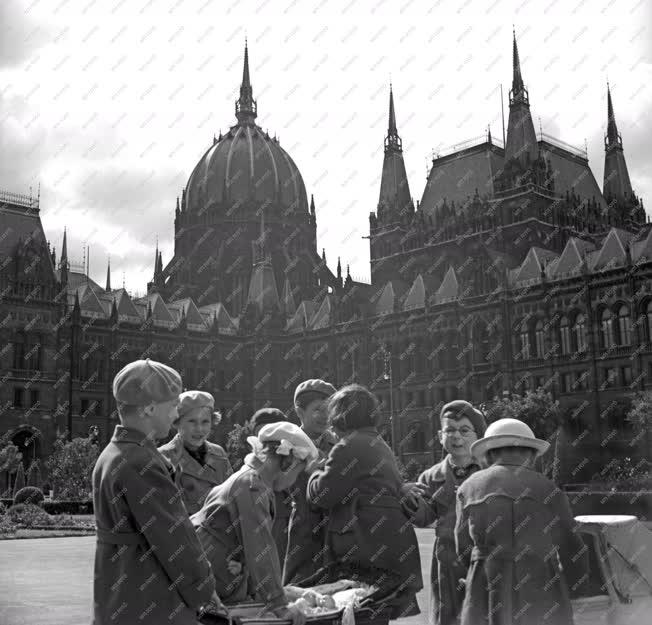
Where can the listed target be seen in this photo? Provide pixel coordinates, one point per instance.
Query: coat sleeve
(260, 553)
(159, 514)
(573, 553)
(425, 514)
(335, 483)
(463, 541)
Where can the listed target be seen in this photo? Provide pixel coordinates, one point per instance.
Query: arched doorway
(27, 439)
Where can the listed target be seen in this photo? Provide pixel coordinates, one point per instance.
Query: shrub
(7, 526)
(236, 444)
(29, 494)
(27, 515)
(19, 483)
(68, 507)
(3, 509)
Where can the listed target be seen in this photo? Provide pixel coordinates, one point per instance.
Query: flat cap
(145, 382)
(461, 408)
(265, 416)
(314, 386)
(191, 400)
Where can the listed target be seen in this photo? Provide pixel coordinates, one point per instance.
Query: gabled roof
(416, 297)
(77, 279)
(449, 288)
(612, 252)
(302, 317)
(570, 261)
(194, 320)
(289, 305)
(90, 304)
(323, 316)
(642, 250)
(225, 323)
(386, 300)
(126, 309)
(535, 259)
(161, 316)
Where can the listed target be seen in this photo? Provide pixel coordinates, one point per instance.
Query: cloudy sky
(110, 104)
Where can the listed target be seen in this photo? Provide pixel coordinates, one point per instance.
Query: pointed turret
(289, 305)
(312, 204)
(108, 276)
(63, 262)
(395, 201)
(521, 142)
(616, 177)
(246, 107)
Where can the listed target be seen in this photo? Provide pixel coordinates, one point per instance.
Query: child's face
(160, 417)
(314, 417)
(456, 436)
(195, 426)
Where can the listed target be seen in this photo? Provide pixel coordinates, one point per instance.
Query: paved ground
(49, 581)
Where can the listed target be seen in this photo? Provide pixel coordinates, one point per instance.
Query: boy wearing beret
(461, 426)
(307, 529)
(199, 464)
(149, 565)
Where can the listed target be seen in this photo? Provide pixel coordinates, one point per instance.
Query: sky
(109, 104)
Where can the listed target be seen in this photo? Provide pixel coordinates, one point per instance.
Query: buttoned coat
(194, 480)
(306, 533)
(235, 523)
(360, 488)
(524, 548)
(447, 568)
(149, 565)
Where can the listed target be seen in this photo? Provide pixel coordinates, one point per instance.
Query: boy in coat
(199, 464)
(519, 531)
(461, 425)
(149, 565)
(307, 526)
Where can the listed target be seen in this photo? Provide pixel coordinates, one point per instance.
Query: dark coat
(446, 593)
(360, 488)
(306, 536)
(194, 480)
(235, 523)
(149, 565)
(518, 528)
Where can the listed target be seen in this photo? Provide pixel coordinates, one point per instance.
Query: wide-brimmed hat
(508, 433)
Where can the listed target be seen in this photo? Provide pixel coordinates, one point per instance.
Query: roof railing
(26, 201)
(463, 145)
(563, 145)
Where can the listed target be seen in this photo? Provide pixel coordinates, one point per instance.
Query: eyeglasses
(463, 431)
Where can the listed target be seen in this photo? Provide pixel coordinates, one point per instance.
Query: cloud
(20, 34)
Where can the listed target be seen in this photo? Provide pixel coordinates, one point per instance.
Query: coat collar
(124, 434)
(518, 465)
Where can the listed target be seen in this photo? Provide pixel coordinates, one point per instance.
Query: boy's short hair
(353, 407)
(495, 454)
(128, 410)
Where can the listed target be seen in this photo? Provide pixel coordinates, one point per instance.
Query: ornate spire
(613, 136)
(108, 276)
(312, 204)
(64, 250)
(246, 107)
(392, 141)
(489, 134)
(339, 269)
(616, 176)
(156, 261)
(517, 79)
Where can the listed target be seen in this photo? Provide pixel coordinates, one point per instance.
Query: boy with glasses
(461, 425)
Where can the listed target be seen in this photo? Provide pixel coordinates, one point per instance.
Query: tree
(10, 457)
(71, 466)
(546, 418)
(236, 444)
(640, 416)
(19, 483)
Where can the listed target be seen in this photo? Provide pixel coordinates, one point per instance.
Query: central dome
(246, 165)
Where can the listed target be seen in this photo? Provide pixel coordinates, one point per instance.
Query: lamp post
(387, 376)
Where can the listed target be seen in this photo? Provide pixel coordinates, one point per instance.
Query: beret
(190, 400)
(462, 408)
(314, 386)
(145, 382)
(265, 416)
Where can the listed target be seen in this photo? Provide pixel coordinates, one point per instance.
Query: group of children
(177, 529)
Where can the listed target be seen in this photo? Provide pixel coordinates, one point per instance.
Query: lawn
(49, 581)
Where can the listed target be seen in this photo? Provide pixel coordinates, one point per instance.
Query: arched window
(565, 336)
(607, 328)
(649, 321)
(624, 326)
(579, 331)
(480, 342)
(525, 341)
(540, 340)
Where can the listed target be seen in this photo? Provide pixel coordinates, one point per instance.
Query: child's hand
(234, 567)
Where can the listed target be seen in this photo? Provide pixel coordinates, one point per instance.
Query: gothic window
(607, 329)
(624, 326)
(539, 337)
(525, 341)
(480, 342)
(19, 351)
(649, 320)
(564, 335)
(579, 331)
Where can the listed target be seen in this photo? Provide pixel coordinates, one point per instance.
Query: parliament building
(514, 271)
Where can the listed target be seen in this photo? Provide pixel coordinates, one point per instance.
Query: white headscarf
(291, 438)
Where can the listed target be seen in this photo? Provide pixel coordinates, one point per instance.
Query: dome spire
(246, 107)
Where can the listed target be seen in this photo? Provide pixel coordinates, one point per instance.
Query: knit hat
(460, 408)
(319, 387)
(145, 382)
(195, 400)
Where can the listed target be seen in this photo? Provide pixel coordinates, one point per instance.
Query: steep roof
(126, 309)
(449, 289)
(416, 297)
(532, 264)
(571, 259)
(612, 251)
(194, 320)
(225, 323)
(324, 315)
(302, 317)
(455, 177)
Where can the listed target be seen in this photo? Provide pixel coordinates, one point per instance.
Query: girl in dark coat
(519, 531)
(361, 489)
